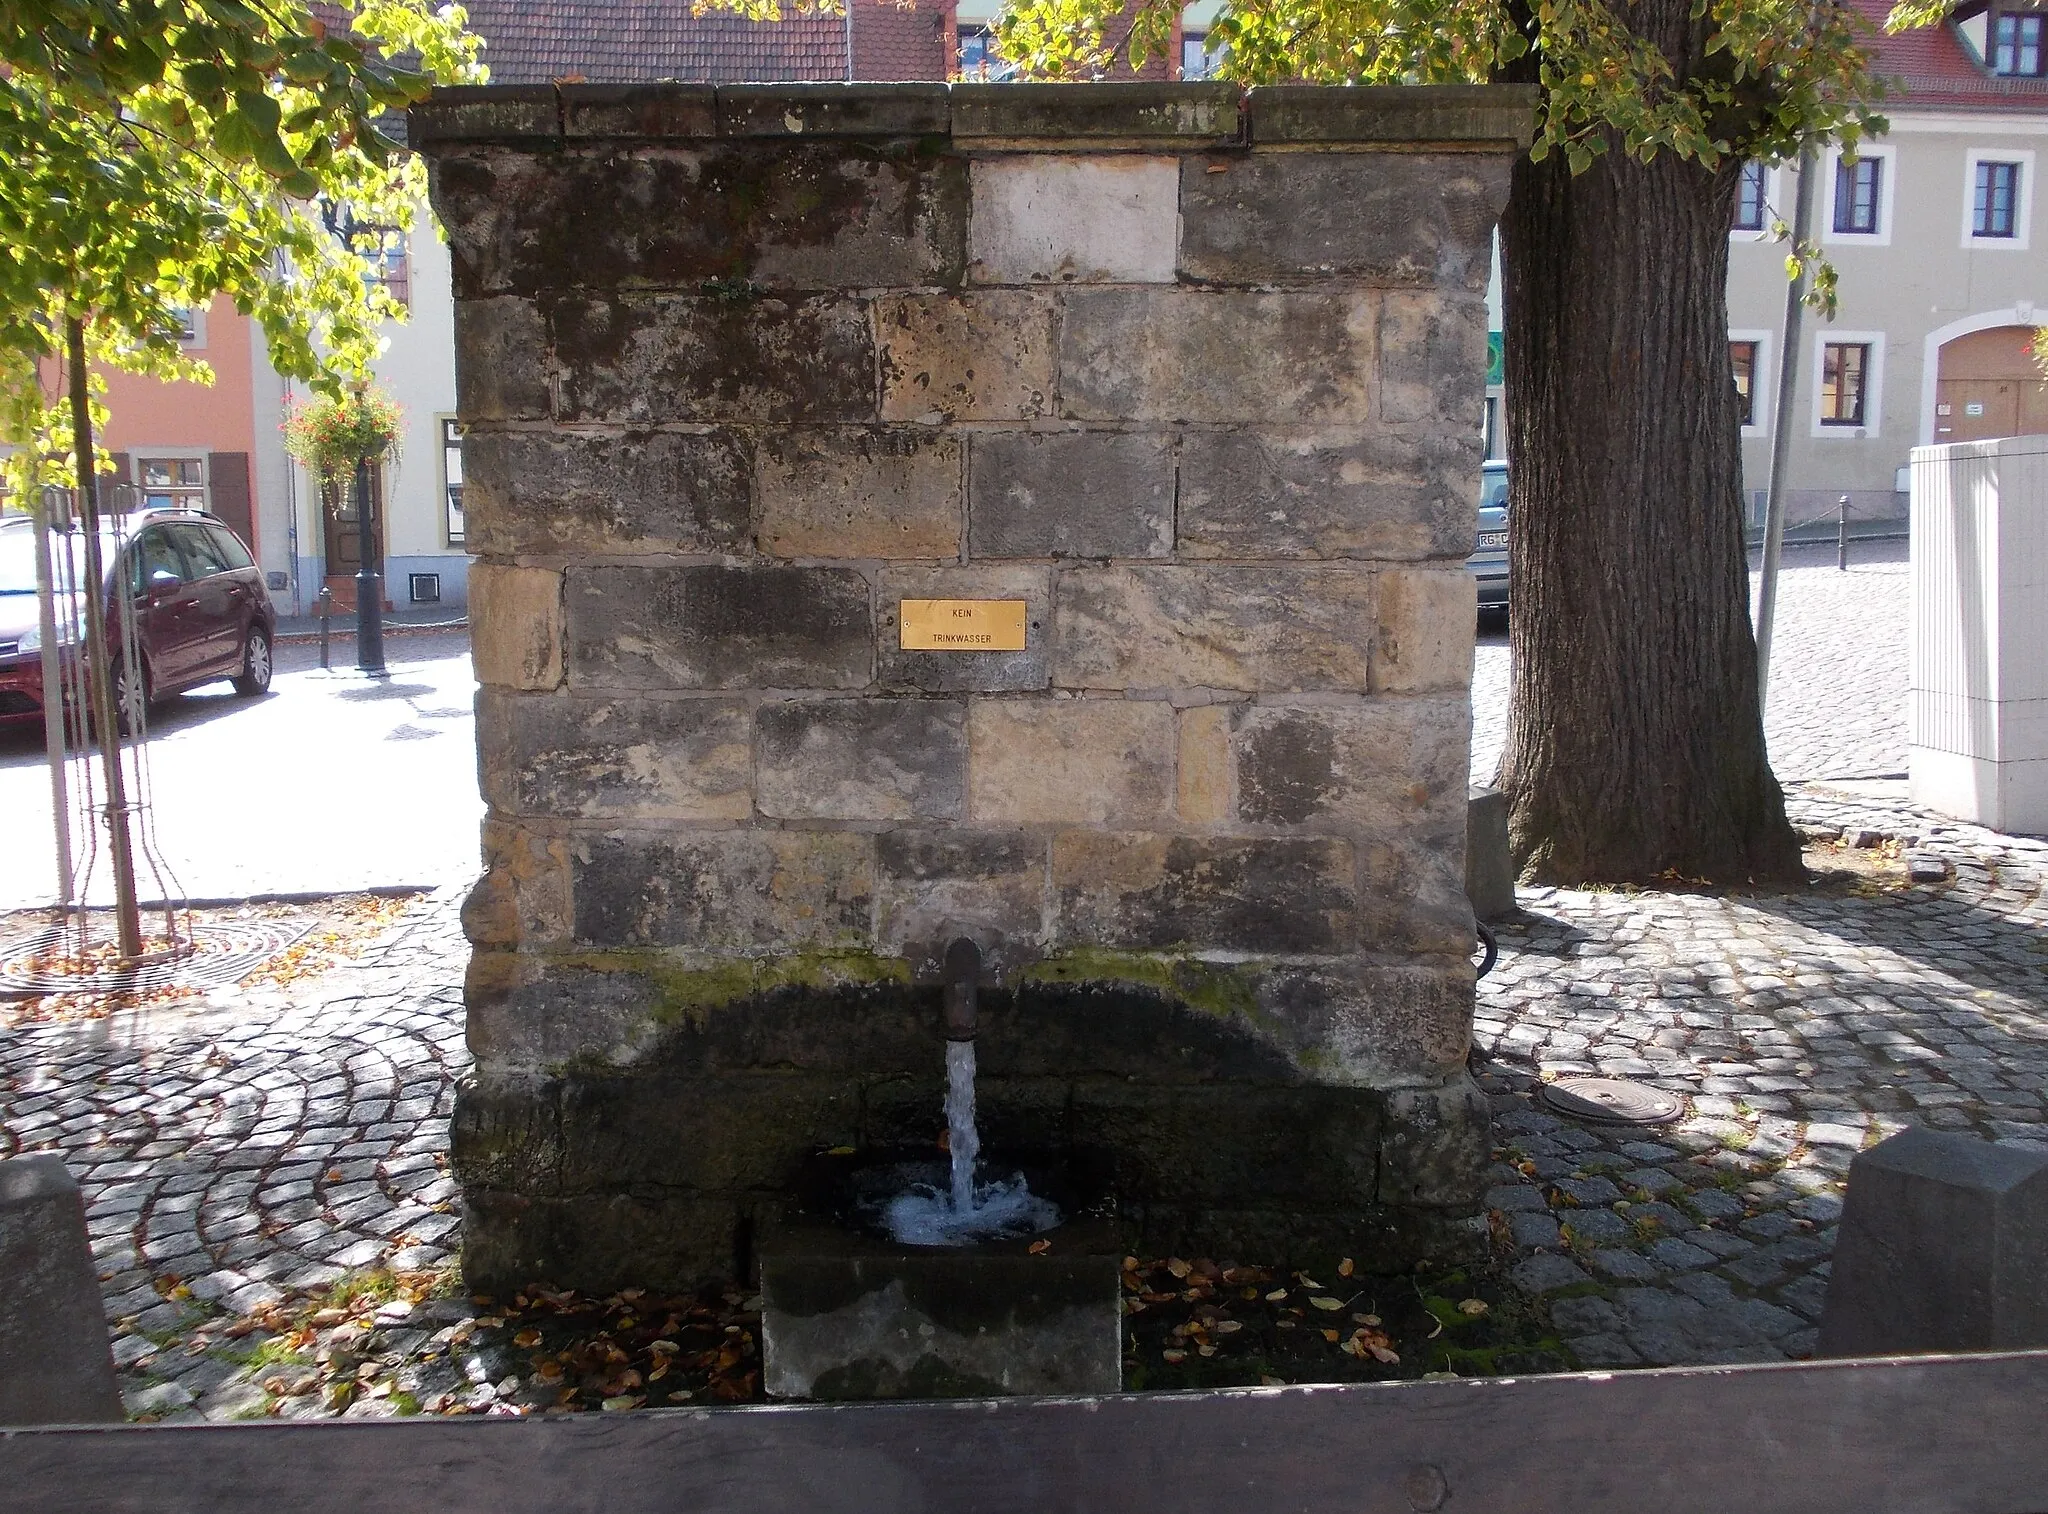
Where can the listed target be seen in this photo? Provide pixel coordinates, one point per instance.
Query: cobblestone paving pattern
(260, 1145)
(1801, 1027)
(1838, 682)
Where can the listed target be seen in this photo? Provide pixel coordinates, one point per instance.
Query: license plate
(1493, 538)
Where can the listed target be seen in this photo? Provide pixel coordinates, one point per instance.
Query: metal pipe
(963, 988)
(369, 583)
(53, 690)
(99, 668)
(1781, 427)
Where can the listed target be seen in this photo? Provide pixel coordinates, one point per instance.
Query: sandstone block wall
(1194, 376)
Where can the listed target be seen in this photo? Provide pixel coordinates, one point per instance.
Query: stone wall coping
(990, 116)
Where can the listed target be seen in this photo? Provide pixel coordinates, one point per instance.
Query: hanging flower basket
(331, 436)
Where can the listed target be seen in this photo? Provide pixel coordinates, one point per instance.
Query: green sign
(1494, 373)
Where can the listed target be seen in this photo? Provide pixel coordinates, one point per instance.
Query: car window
(229, 547)
(154, 553)
(198, 546)
(1493, 491)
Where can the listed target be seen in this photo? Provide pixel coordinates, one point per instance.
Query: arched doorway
(1987, 384)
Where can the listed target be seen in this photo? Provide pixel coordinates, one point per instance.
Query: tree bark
(1635, 743)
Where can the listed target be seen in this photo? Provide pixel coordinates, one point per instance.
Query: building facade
(1934, 229)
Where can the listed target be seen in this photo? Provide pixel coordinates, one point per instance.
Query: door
(338, 512)
(1987, 384)
(219, 602)
(165, 606)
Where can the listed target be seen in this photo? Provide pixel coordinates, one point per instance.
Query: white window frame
(1887, 193)
(448, 537)
(1774, 196)
(195, 320)
(1873, 384)
(1763, 382)
(2023, 202)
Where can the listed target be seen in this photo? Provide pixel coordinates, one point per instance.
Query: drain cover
(223, 953)
(1612, 1101)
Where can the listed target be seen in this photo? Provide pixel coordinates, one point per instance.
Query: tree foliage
(155, 154)
(1776, 74)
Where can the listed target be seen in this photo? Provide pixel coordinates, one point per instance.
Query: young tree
(155, 154)
(1635, 745)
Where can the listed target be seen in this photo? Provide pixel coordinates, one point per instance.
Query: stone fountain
(1033, 515)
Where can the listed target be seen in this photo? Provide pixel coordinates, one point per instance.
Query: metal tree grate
(223, 952)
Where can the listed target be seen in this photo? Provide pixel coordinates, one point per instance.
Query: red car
(201, 609)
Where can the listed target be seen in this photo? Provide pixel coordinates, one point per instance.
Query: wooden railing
(1929, 1435)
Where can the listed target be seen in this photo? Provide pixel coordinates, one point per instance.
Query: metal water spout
(963, 987)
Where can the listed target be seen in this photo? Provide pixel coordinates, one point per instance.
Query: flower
(330, 436)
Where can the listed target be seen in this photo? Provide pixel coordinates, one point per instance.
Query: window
(229, 547)
(392, 268)
(200, 550)
(173, 483)
(1859, 191)
(1997, 198)
(451, 473)
(978, 59)
(2016, 45)
(1844, 373)
(189, 327)
(1197, 59)
(155, 554)
(1742, 358)
(1749, 199)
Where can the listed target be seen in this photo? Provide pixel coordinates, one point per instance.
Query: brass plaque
(960, 625)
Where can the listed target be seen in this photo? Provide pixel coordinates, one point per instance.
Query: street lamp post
(369, 582)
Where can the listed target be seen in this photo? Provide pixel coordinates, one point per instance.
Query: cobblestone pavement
(1801, 1027)
(1837, 707)
(253, 1146)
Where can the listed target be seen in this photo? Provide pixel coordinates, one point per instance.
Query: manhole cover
(226, 952)
(1612, 1101)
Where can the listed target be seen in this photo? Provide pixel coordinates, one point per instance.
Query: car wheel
(132, 701)
(254, 679)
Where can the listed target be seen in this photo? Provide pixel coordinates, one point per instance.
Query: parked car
(201, 609)
(1489, 560)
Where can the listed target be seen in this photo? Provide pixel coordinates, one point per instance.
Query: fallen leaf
(1178, 1267)
(1267, 1380)
(1473, 1306)
(1206, 1350)
(1324, 1301)
(549, 1372)
(528, 1337)
(1346, 1267)
(1229, 1326)
(659, 1370)
(1386, 1354)
(1039, 1248)
(1276, 1296)
(1330, 1336)
(1173, 1357)
(620, 1401)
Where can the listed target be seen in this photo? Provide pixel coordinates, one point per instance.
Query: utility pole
(1781, 426)
(369, 582)
(99, 669)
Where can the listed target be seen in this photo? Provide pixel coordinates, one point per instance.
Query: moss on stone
(1222, 989)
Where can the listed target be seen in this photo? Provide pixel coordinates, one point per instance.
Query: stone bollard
(1489, 869)
(1943, 1247)
(56, 1366)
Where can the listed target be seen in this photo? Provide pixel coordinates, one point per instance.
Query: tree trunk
(1635, 743)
